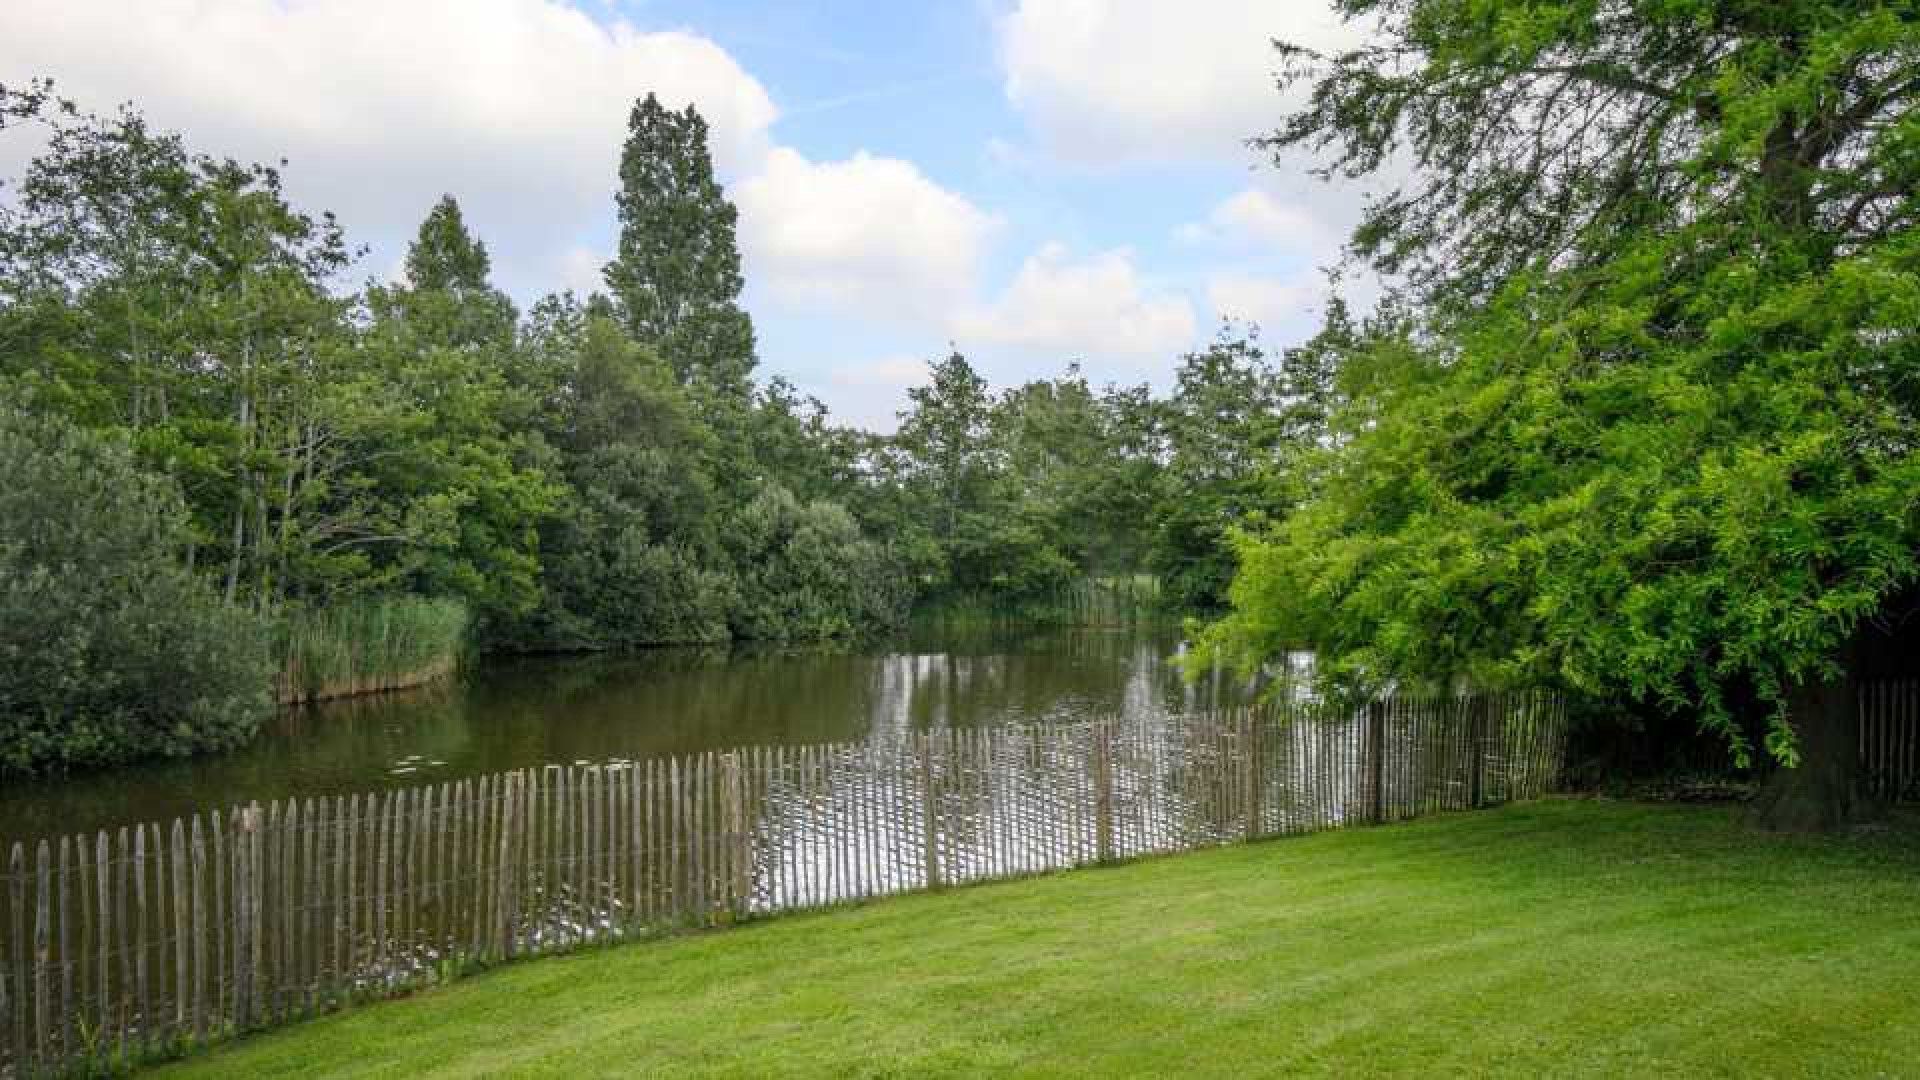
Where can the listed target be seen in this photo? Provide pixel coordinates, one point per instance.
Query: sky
(1032, 182)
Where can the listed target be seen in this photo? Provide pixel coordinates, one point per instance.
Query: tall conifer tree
(676, 278)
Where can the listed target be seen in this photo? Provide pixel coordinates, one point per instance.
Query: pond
(517, 712)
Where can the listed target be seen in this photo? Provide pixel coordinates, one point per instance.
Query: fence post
(738, 838)
(1103, 790)
(42, 956)
(246, 851)
(8, 1061)
(15, 1015)
(1376, 761)
(928, 818)
(1477, 732)
(505, 900)
(1254, 779)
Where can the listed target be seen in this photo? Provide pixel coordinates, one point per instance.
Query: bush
(804, 571)
(110, 648)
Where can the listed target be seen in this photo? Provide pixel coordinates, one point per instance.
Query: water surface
(512, 713)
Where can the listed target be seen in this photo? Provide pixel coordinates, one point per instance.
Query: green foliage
(1007, 502)
(1545, 130)
(374, 472)
(807, 572)
(179, 300)
(387, 473)
(1670, 452)
(676, 277)
(110, 648)
(1132, 600)
(628, 556)
(449, 477)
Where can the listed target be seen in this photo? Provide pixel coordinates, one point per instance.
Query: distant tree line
(324, 481)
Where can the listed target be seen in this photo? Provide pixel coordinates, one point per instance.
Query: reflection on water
(514, 713)
(307, 903)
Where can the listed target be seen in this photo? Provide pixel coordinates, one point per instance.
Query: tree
(944, 431)
(676, 278)
(795, 443)
(110, 648)
(1655, 432)
(179, 298)
(1054, 444)
(446, 456)
(630, 554)
(604, 474)
(449, 284)
(1231, 418)
(1542, 132)
(805, 571)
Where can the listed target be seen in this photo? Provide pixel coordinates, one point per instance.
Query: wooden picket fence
(1890, 738)
(152, 939)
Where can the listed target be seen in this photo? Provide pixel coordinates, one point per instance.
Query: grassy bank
(1561, 938)
(368, 645)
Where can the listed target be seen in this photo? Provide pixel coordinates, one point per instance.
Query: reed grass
(369, 644)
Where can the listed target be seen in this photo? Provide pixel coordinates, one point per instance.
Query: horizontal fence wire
(150, 939)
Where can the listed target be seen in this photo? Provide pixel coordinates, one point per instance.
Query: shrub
(110, 648)
(804, 571)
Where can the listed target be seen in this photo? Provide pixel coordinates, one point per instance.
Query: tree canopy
(594, 472)
(676, 279)
(1650, 429)
(110, 647)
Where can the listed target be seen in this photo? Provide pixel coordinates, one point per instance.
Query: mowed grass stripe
(1559, 938)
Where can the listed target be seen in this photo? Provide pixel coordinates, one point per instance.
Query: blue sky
(1032, 181)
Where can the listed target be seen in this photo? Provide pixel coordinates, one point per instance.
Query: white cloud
(1106, 81)
(517, 107)
(868, 234)
(579, 269)
(871, 395)
(1096, 306)
(1254, 218)
(901, 371)
(1286, 308)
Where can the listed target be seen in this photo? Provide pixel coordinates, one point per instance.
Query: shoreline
(286, 692)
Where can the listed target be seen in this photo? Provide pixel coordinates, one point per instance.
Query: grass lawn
(1561, 938)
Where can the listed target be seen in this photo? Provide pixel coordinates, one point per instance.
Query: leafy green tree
(1544, 132)
(1655, 432)
(178, 298)
(630, 554)
(447, 452)
(1223, 432)
(805, 571)
(795, 443)
(1004, 501)
(1053, 444)
(603, 474)
(944, 433)
(449, 285)
(110, 648)
(676, 277)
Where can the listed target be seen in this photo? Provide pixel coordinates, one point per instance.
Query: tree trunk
(1824, 792)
